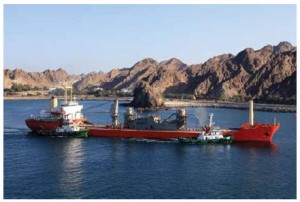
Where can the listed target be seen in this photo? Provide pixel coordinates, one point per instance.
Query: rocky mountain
(47, 78)
(265, 73)
(250, 73)
(90, 80)
(128, 78)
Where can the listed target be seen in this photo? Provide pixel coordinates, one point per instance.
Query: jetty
(226, 104)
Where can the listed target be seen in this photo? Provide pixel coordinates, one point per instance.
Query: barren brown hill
(128, 78)
(91, 80)
(251, 73)
(47, 78)
(163, 75)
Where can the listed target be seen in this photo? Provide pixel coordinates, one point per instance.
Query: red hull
(257, 132)
(37, 125)
(147, 134)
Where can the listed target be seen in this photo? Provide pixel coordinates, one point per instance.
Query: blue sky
(84, 38)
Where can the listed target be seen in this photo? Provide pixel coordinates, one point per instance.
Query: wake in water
(15, 130)
(149, 140)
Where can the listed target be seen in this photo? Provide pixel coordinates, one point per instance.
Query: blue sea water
(116, 168)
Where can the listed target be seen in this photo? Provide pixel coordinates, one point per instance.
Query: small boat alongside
(68, 129)
(206, 139)
(211, 135)
(71, 130)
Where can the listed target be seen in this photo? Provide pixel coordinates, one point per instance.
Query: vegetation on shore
(22, 87)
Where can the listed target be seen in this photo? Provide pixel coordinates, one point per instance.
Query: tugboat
(209, 135)
(71, 130)
(49, 120)
(68, 129)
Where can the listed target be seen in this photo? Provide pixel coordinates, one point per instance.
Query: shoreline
(181, 103)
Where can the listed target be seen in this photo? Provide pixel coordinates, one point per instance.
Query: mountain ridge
(266, 72)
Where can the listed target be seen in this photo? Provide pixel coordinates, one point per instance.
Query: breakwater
(233, 105)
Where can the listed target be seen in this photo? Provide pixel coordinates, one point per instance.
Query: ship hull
(247, 133)
(80, 134)
(200, 141)
(258, 132)
(48, 125)
(147, 134)
(38, 125)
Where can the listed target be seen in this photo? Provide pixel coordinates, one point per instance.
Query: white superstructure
(70, 109)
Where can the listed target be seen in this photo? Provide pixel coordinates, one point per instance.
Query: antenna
(66, 87)
(211, 123)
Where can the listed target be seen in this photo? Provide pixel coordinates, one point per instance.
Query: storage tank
(181, 112)
(115, 113)
(130, 111)
(129, 118)
(181, 119)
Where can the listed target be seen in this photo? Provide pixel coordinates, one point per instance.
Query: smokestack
(53, 103)
(251, 114)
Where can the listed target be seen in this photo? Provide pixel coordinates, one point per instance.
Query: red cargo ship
(151, 127)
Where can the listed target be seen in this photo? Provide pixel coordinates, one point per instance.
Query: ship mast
(115, 113)
(251, 114)
(66, 92)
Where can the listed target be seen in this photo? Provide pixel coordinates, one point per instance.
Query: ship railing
(194, 129)
(44, 118)
(69, 103)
